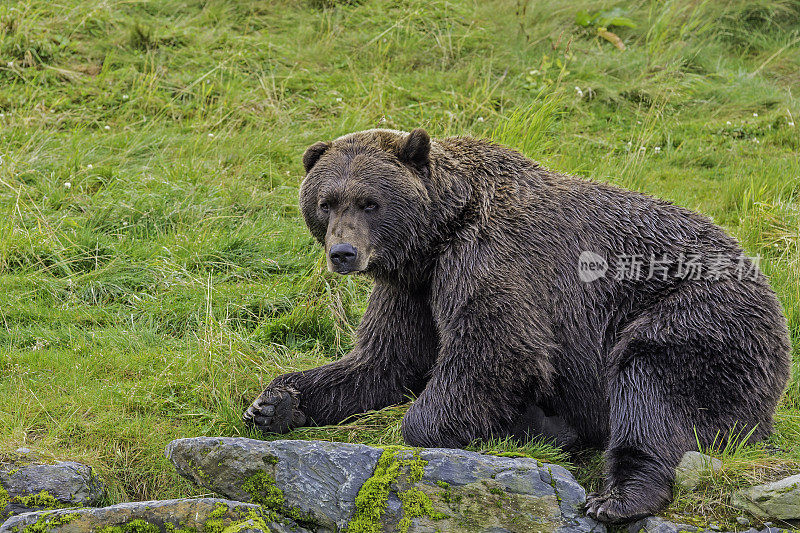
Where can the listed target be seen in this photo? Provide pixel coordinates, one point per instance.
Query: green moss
(216, 522)
(373, 497)
(47, 522)
(417, 504)
(262, 490)
(3, 500)
(252, 521)
(42, 500)
(508, 454)
(416, 468)
(553, 484)
(447, 494)
(200, 472)
(169, 527)
(134, 526)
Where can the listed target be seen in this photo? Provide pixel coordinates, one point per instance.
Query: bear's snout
(343, 257)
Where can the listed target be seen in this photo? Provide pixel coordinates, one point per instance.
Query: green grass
(155, 271)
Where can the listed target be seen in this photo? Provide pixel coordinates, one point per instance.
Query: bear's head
(365, 199)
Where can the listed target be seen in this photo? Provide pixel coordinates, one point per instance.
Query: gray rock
(313, 482)
(486, 493)
(742, 521)
(47, 486)
(654, 524)
(691, 468)
(778, 500)
(202, 514)
(427, 490)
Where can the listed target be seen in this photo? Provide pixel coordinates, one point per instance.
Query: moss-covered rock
(453, 490)
(776, 500)
(314, 483)
(324, 486)
(202, 515)
(27, 485)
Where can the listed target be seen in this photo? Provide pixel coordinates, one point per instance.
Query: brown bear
(515, 301)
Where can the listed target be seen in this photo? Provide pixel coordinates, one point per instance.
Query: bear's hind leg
(704, 361)
(650, 427)
(645, 447)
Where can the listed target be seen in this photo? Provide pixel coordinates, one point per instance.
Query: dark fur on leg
(388, 364)
(534, 423)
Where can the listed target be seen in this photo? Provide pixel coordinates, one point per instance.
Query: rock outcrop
(777, 500)
(26, 485)
(654, 524)
(327, 486)
(202, 514)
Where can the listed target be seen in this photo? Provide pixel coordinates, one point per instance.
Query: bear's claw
(612, 508)
(276, 410)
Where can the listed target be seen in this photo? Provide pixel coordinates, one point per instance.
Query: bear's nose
(342, 255)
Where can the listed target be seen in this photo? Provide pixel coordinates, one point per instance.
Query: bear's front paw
(612, 507)
(276, 410)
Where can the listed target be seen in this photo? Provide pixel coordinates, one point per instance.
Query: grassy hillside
(155, 271)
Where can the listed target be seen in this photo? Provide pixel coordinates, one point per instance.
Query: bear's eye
(324, 206)
(370, 206)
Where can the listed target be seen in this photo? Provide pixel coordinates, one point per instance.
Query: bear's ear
(415, 150)
(313, 153)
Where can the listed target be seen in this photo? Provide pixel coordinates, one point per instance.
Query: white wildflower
(728, 122)
(480, 119)
(579, 91)
(755, 114)
(211, 135)
(657, 149)
(67, 185)
(107, 128)
(89, 166)
(125, 96)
